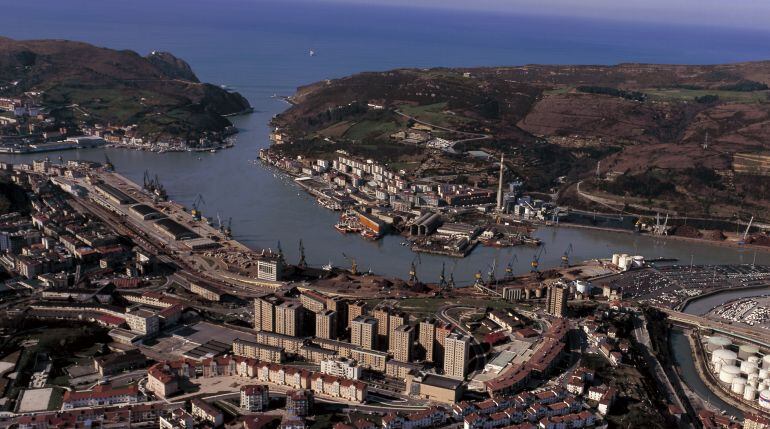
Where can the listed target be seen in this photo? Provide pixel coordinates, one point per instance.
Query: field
(371, 130)
(435, 114)
(681, 94)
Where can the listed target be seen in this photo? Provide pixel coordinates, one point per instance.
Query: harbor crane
(442, 278)
(746, 233)
(509, 268)
(491, 280)
(228, 228)
(565, 256)
(220, 227)
(108, 165)
(353, 264)
(301, 264)
(197, 205)
(536, 260)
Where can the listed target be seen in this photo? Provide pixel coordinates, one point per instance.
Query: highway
(746, 333)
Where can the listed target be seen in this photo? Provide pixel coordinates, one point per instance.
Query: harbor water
(261, 50)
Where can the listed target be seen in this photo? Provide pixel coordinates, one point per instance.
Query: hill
(86, 84)
(690, 128)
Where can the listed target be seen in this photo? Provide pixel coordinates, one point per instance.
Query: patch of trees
(489, 109)
(707, 99)
(744, 86)
(705, 176)
(614, 92)
(647, 185)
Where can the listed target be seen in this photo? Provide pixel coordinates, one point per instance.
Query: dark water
(261, 48)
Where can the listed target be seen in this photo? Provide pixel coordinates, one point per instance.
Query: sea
(261, 49)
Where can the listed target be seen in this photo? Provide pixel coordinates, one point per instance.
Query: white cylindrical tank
(738, 386)
(746, 350)
(623, 263)
(583, 286)
(749, 367)
(763, 373)
(638, 261)
(717, 342)
(728, 373)
(717, 367)
(766, 362)
(750, 393)
(724, 356)
(616, 259)
(754, 359)
(764, 399)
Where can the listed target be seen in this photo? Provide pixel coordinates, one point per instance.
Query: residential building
(264, 312)
(556, 300)
(326, 324)
(255, 398)
(355, 309)
(395, 320)
(426, 339)
(341, 367)
(403, 337)
(363, 332)
(206, 412)
(457, 348)
(288, 319)
(299, 402)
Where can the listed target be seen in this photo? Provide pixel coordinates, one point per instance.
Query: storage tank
(763, 374)
(746, 350)
(717, 342)
(728, 373)
(623, 263)
(749, 368)
(764, 399)
(766, 361)
(616, 259)
(750, 393)
(755, 359)
(724, 356)
(638, 261)
(738, 386)
(717, 367)
(583, 286)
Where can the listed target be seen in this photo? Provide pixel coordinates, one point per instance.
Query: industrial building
(174, 230)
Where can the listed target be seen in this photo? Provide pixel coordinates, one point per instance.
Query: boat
(328, 267)
(213, 151)
(311, 53)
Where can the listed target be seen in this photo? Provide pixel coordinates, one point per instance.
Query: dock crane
(301, 263)
(228, 228)
(353, 264)
(509, 268)
(220, 227)
(491, 280)
(565, 257)
(197, 204)
(536, 260)
(746, 234)
(108, 165)
(442, 278)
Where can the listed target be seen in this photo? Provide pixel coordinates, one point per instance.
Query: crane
(353, 265)
(746, 234)
(197, 204)
(565, 257)
(509, 267)
(536, 260)
(108, 165)
(228, 228)
(301, 263)
(491, 273)
(442, 278)
(219, 223)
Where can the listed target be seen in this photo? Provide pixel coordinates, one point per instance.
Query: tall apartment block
(363, 332)
(457, 349)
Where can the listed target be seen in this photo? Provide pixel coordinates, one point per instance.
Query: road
(478, 351)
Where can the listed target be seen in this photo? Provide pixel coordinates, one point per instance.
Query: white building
(341, 367)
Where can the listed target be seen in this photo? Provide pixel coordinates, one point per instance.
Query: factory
(145, 212)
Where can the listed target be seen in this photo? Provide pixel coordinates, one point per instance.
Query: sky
(754, 14)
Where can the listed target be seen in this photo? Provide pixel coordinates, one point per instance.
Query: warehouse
(174, 230)
(145, 212)
(113, 194)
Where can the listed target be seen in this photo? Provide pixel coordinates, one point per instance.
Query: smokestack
(500, 186)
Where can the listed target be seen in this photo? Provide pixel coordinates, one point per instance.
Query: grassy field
(336, 130)
(433, 114)
(681, 94)
(371, 130)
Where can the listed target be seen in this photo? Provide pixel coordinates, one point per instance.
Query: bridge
(757, 336)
